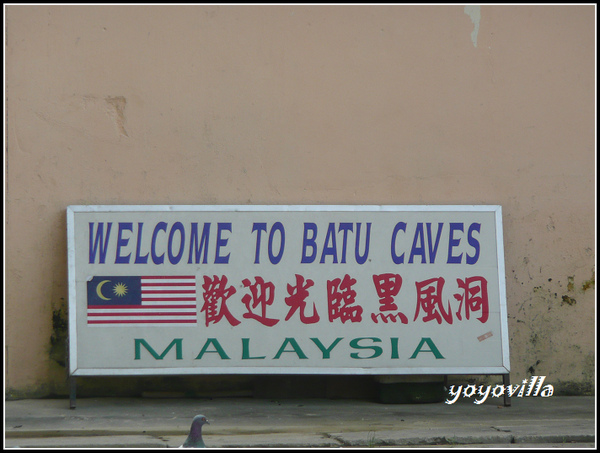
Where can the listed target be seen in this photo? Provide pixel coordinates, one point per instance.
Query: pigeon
(194, 439)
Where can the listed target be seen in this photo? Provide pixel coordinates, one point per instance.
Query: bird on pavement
(194, 438)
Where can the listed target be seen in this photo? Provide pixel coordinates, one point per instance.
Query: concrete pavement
(301, 423)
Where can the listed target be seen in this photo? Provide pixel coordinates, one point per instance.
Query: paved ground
(565, 422)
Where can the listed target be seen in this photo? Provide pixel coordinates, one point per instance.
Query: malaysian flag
(142, 300)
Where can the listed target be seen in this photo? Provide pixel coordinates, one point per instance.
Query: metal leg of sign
(72, 391)
(506, 383)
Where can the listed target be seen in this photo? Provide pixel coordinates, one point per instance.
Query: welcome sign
(286, 290)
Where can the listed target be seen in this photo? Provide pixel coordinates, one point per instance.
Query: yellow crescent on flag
(99, 289)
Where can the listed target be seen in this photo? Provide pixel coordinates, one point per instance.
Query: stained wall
(306, 105)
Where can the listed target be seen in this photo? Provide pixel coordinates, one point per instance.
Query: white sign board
(286, 290)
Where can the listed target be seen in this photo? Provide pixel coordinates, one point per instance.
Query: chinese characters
(470, 295)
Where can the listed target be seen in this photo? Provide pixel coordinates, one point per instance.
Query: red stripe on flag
(146, 321)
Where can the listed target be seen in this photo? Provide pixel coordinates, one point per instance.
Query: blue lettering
(433, 248)
(454, 243)
(156, 259)
(198, 248)
(140, 259)
(278, 226)
(309, 242)
(259, 228)
(345, 227)
(330, 249)
(177, 226)
(395, 258)
(418, 250)
(98, 243)
(122, 242)
(473, 243)
(222, 242)
(361, 259)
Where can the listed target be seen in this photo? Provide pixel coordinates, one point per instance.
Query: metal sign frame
(77, 323)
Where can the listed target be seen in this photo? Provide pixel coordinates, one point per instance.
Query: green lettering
(377, 351)
(218, 349)
(326, 351)
(432, 348)
(177, 342)
(295, 346)
(246, 350)
(394, 348)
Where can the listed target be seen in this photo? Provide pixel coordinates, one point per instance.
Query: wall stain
(589, 284)
(117, 112)
(542, 313)
(474, 12)
(533, 339)
(571, 283)
(586, 285)
(568, 300)
(531, 369)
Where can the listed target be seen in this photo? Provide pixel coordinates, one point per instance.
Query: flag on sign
(142, 300)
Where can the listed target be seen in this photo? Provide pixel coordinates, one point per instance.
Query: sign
(286, 290)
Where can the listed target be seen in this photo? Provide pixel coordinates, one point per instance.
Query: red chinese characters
(473, 298)
(429, 299)
(388, 286)
(261, 295)
(215, 296)
(297, 300)
(343, 301)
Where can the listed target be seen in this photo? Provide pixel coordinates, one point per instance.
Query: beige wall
(307, 105)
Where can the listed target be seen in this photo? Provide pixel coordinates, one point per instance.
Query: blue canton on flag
(142, 300)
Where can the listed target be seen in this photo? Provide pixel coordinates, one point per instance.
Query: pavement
(530, 422)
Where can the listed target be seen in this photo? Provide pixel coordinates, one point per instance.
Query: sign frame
(77, 371)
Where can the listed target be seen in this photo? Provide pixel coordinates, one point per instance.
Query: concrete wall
(306, 105)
